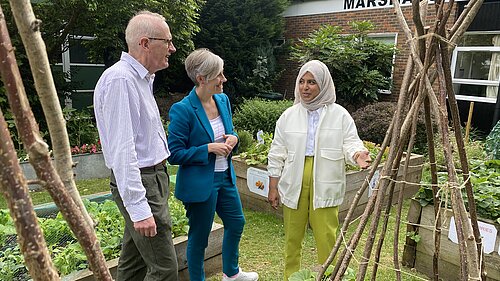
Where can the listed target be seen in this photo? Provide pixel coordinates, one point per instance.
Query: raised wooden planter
(354, 179)
(420, 256)
(88, 166)
(213, 258)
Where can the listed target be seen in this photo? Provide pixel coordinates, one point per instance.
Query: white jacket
(336, 142)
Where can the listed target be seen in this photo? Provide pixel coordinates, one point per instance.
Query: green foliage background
(492, 143)
(106, 20)
(244, 34)
(257, 114)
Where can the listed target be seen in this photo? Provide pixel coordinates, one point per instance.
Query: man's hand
(146, 227)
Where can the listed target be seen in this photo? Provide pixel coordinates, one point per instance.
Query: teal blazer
(189, 134)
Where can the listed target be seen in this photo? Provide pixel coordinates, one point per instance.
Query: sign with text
(373, 183)
(488, 233)
(258, 181)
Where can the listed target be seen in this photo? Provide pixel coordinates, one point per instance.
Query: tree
(244, 34)
(105, 21)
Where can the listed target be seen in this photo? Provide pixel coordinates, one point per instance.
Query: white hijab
(323, 77)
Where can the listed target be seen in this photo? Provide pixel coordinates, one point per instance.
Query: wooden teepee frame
(429, 61)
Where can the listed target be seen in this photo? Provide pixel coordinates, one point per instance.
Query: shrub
(360, 66)
(81, 127)
(244, 34)
(492, 144)
(258, 114)
(245, 141)
(373, 120)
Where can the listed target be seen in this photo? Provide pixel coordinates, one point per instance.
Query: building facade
(475, 61)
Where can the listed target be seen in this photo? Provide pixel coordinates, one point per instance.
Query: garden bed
(256, 199)
(89, 166)
(213, 258)
(67, 255)
(420, 255)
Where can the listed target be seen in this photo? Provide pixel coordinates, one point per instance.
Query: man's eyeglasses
(167, 42)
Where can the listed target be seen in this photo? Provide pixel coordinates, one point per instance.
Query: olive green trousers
(324, 223)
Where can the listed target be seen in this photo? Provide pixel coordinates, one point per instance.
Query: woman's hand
(363, 159)
(273, 196)
(222, 149)
(231, 140)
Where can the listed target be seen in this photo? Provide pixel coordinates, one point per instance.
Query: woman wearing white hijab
(312, 141)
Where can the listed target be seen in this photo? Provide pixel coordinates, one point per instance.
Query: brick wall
(385, 21)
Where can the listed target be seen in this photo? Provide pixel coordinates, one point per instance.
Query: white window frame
(66, 59)
(474, 81)
(381, 35)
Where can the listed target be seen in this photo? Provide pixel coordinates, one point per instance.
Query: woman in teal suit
(201, 139)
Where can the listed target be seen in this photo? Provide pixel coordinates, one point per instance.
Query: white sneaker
(242, 276)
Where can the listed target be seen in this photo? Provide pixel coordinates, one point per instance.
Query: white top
(130, 129)
(312, 126)
(336, 141)
(220, 161)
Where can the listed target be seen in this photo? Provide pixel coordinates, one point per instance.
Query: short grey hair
(144, 23)
(204, 63)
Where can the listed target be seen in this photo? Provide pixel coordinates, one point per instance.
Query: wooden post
(469, 120)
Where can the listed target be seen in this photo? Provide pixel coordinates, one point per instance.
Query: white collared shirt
(130, 129)
(312, 126)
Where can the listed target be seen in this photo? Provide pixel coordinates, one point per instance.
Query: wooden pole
(469, 120)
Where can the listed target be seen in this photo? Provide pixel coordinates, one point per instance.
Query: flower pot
(256, 200)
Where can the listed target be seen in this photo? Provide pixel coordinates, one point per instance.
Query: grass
(261, 249)
(85, 187)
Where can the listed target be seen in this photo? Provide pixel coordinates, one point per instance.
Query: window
(76, 64)
(389, 39)
(476, 67)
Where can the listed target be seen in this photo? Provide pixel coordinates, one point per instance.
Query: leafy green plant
(414, 236)
(81, 127)
(245, 141)
(67, 254)
(258, 114)
(485, 178)
(68, 259)
(56, 230)
(257, 153)
(178, 214)
(308, 275)
(7, 227)
(12, 263)
(492, 143)
(360, 66)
